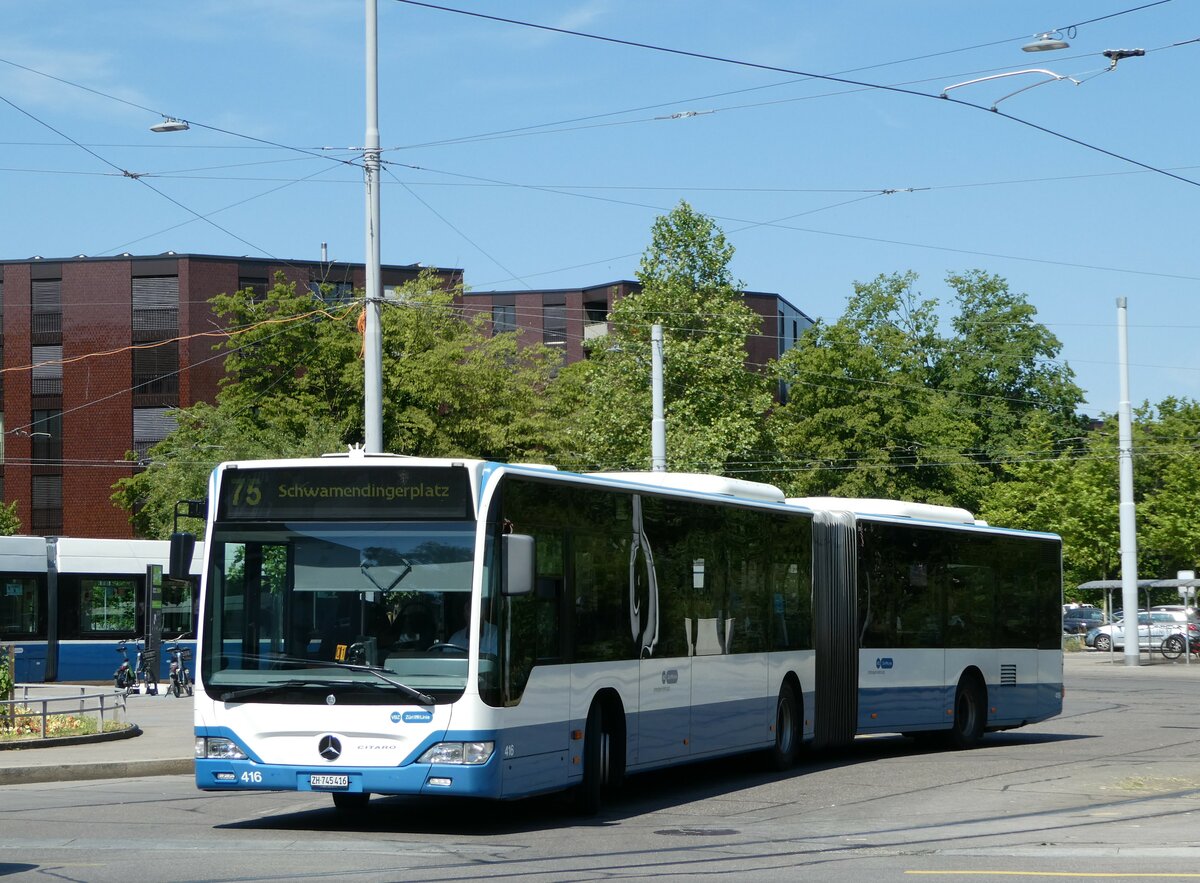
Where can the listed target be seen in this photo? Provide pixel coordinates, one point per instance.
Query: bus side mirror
(183, 545)
(519, 564)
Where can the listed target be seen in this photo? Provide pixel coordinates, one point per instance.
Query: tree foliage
(713, 405)
(882, 403)
(10, 522)
(294, 381)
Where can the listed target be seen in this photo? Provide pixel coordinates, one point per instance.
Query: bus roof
(699, 482)
(893, 508)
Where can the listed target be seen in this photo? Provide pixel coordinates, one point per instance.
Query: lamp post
(1127, 511)
(372, 333)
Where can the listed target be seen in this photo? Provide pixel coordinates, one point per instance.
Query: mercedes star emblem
(330, 748)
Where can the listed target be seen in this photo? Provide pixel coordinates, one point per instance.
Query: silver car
(1153, 628)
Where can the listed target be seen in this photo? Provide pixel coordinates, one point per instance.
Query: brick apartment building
(568, 317)
(77, 392)
(90, 395)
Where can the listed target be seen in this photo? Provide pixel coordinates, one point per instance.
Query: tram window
(20, 605)
(108, 604)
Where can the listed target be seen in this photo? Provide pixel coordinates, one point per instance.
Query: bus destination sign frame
(344, 493)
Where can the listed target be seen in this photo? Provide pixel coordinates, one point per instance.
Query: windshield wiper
(376, 670)
(280, 686)
(382, 673)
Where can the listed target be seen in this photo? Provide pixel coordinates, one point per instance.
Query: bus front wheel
(970, 713)
(600, 773)
(787, 730)
(351, 801)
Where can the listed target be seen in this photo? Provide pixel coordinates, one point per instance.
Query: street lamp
(170, 124)
(1046, 42)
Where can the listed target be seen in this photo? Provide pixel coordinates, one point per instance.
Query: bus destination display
(339, 493)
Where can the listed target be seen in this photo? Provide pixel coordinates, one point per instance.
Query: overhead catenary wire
(704, 56)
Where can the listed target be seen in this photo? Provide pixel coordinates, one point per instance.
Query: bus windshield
(297, 608)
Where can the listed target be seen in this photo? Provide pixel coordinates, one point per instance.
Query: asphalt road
(1112, 788)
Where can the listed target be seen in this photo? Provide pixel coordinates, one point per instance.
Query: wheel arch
(612, 709)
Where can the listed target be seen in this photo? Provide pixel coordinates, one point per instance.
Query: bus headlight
(214, 748)
(468, 753)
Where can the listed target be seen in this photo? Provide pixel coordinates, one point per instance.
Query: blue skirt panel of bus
(895, 709)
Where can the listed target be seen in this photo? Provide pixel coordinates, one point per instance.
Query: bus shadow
(639, 795)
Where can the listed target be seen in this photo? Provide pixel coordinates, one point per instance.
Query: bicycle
(1173, 645)
(180, 678)
(124, 677)
(141, 676)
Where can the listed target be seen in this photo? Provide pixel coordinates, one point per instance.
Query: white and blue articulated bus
(372, 624)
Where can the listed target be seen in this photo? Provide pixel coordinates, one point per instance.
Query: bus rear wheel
(970, 713)
(787, 730)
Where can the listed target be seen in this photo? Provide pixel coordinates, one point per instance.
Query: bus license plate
(322, 781)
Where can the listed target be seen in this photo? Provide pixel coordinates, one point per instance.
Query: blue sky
(538, 159)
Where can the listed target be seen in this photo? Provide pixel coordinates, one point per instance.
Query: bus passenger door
(664, 702)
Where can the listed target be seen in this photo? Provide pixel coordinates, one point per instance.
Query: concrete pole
(1129, 563)
(372, 336)
(658, 423)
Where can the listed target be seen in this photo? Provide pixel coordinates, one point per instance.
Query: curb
(116, 769)
(32, 744)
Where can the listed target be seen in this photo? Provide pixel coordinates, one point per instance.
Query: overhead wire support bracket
(1115, 55)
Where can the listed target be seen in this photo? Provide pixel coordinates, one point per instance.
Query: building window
(155, 308)
(150, 426)
(47, 505)
(256, 285)
(504, 318)
(554, 325)
(45, 433)
(1, 338)
(47, 312)
(47, 370)
(332, 292)
(156, 376)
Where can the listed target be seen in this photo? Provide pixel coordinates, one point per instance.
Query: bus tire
(970, 713)
(783, 753)
(351, 801)
(599, 773)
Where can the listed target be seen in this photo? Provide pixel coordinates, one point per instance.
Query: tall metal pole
(373, 337)
(658, 423)
(1129, 565)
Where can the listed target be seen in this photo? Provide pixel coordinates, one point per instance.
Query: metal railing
(36, 714)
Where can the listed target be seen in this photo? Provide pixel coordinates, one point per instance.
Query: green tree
(1064, 487)
(1167, 485)
(864, 415)
(1005, 363)
(10, 523)
(294, 381)
(882, 403)
(713, 405)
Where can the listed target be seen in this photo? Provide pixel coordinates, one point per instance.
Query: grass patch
(24, 723)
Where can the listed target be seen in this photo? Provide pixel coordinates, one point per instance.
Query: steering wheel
(443, 647)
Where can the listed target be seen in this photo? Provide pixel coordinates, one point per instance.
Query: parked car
(1079, 620)
(1153, 627)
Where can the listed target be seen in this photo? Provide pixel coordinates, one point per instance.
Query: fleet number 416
(254, 777)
